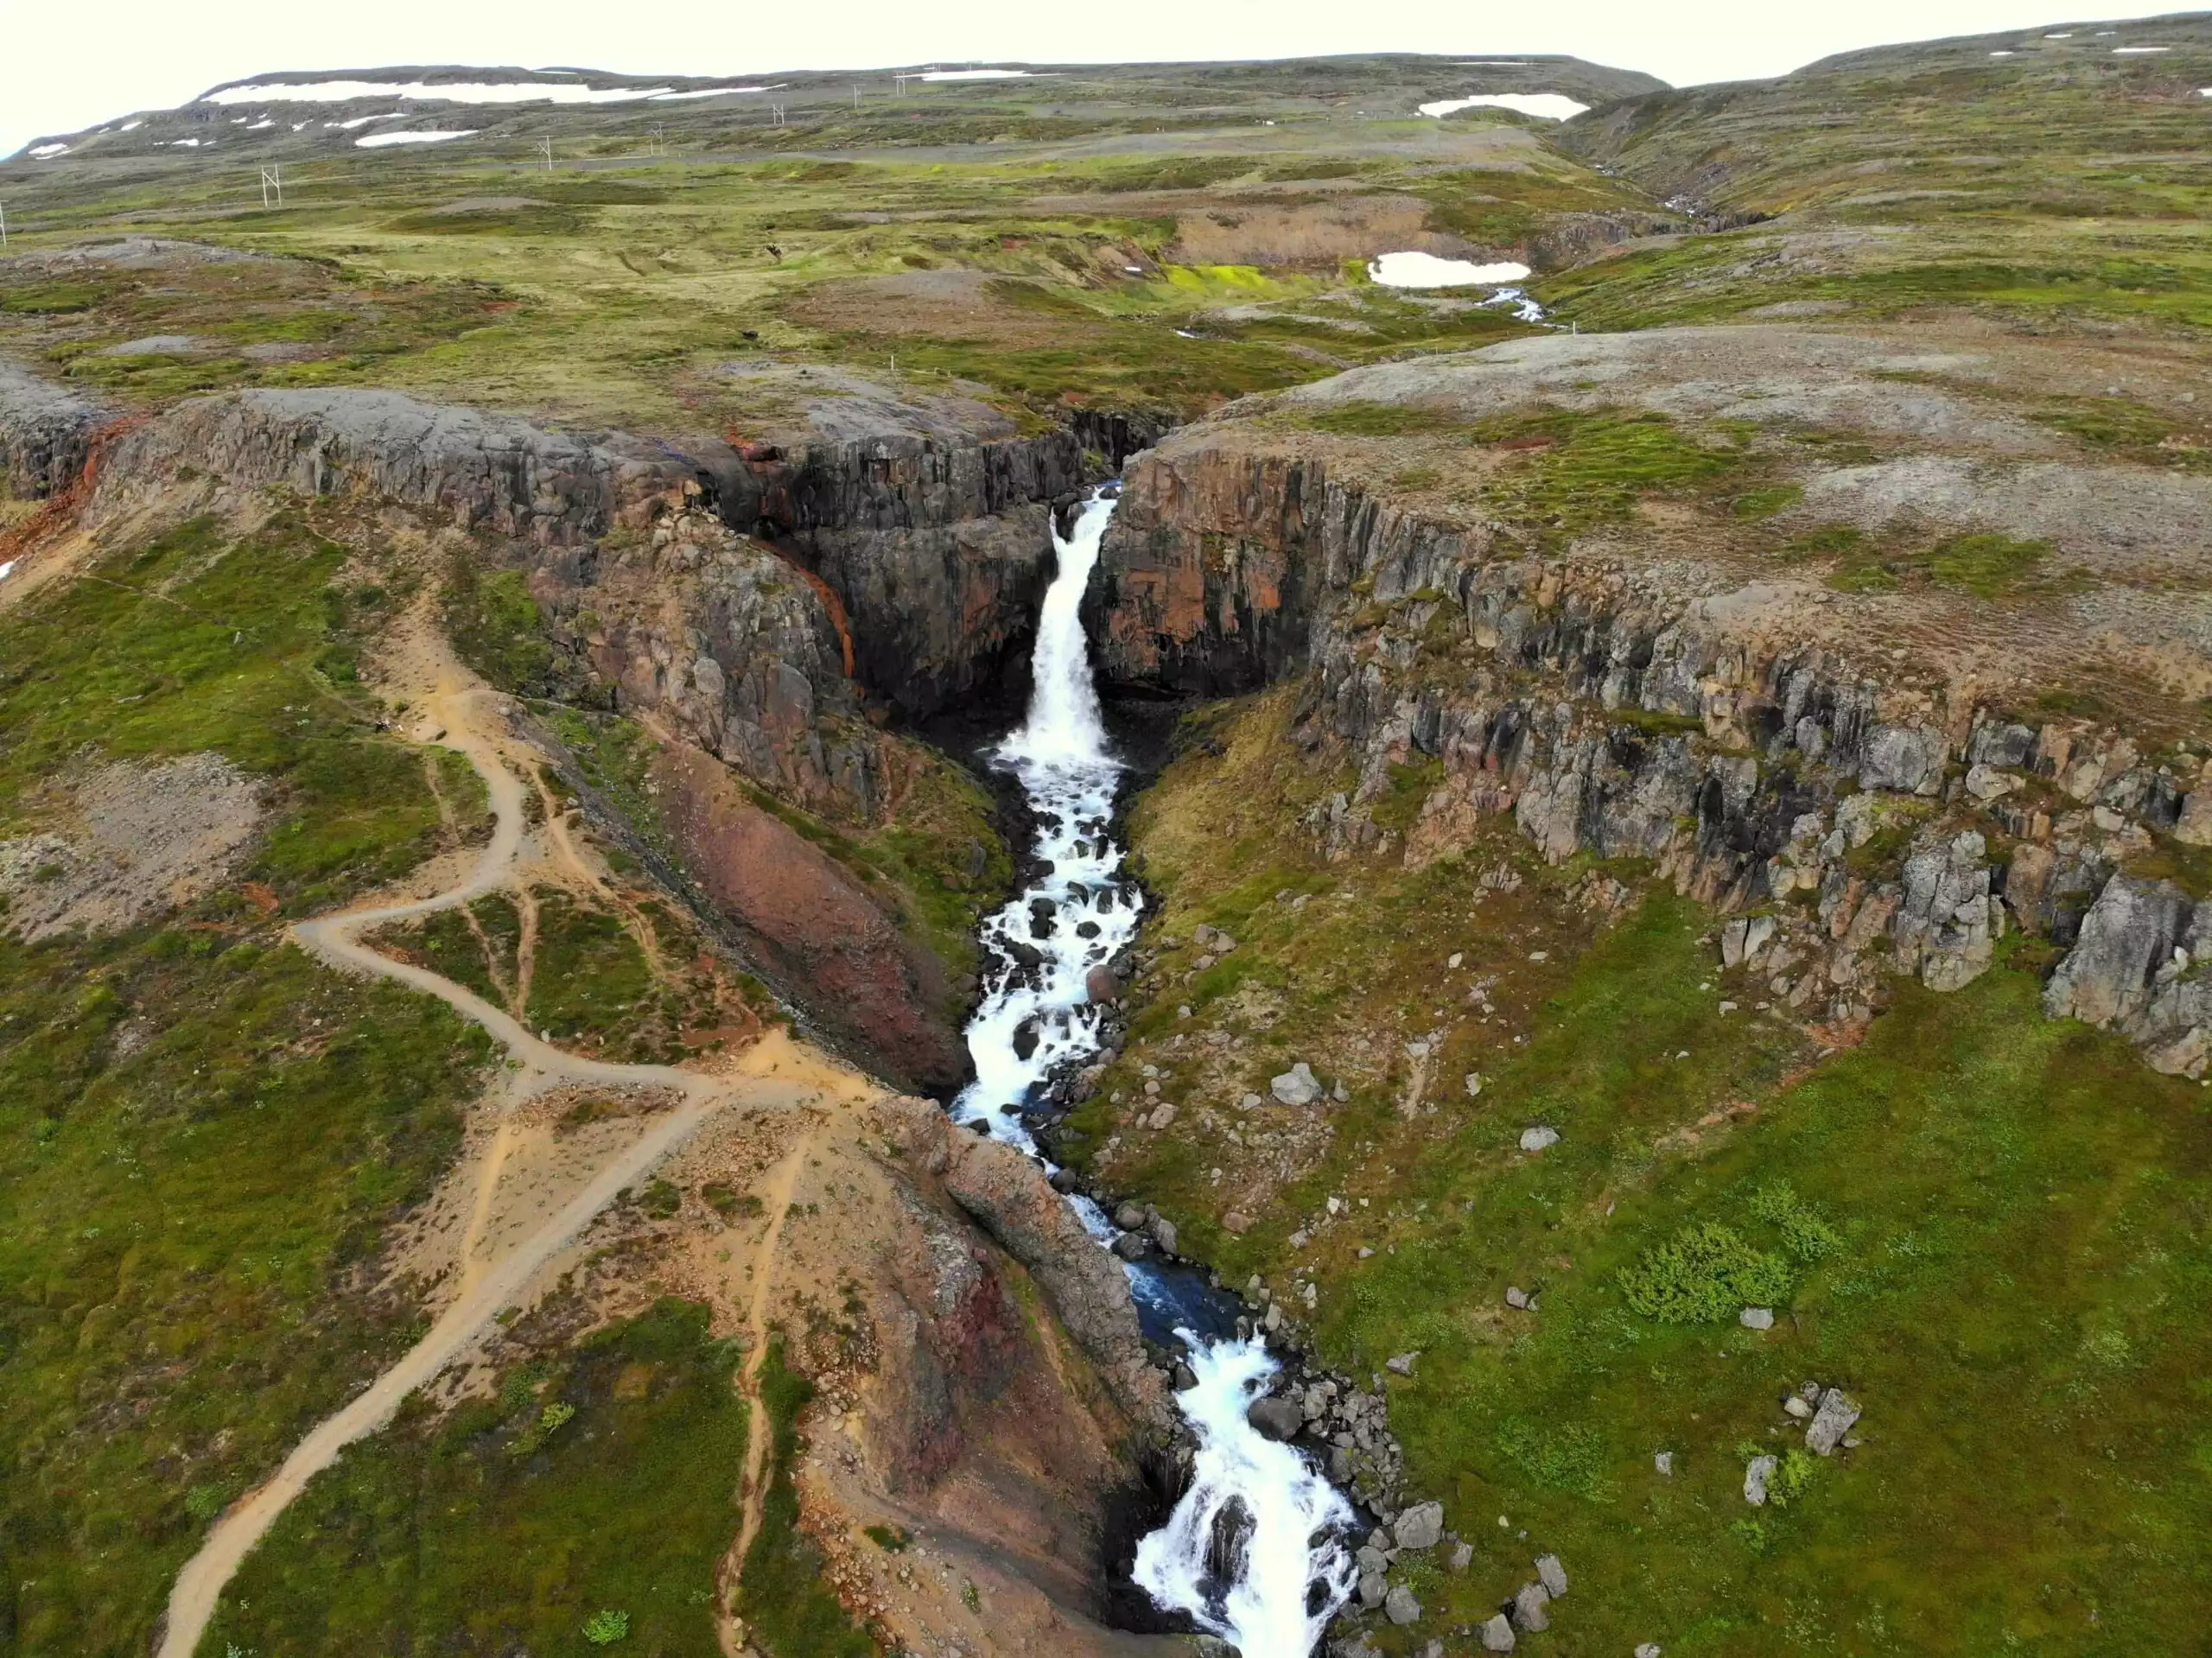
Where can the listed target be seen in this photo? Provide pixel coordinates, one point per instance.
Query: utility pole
(657, 139)
(3, 230)
(546, 149)
(272, 178)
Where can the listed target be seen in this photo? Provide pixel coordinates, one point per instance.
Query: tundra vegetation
(1988, 1224)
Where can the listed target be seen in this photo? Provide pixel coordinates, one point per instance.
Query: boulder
(1229, 1540)
(1400, 1606)
(1276, 1418)
(2129, 933)
(1372, 1589)
(1831, 1422)
(1908, 759)
(1537, 1138)
(1421, 1526)
(1401, 1365)
(1099, 984)
(1163, 1233)
(1462, 1556)
(1756, 1475)
(1516, 1297)
(1497, 1634)
(1297, 1086)
(1132, 1246)
(1531, 1608)
(1755, 1317)
(1647, 1649)
(1551, 1575)
(1130, 1216)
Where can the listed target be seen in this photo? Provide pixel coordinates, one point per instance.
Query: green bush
(1703, 1274)
(1805, 1235)
(605, 1629)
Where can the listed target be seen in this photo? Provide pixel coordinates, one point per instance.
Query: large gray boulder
(2128, 936)
(1419, 1527)
(1831, 1422)
(1531, 1608)
(1276, 1418)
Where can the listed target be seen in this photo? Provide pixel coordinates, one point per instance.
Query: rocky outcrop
(46, 434)
(1009, 1198)
(928, 518)
(493, 473)
(1615, 711)
(2137, 965)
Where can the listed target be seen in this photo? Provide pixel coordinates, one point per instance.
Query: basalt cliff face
(876, 575)
(1865, 799)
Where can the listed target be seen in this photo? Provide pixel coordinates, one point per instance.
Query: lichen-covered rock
(2128, 936)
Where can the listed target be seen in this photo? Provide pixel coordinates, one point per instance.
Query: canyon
(1603, 898)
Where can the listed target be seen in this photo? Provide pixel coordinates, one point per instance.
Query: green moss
(592, 984)
(493, 623)
(1767, 501)
(202, 1132)
(593, 1493)
(1380, 419)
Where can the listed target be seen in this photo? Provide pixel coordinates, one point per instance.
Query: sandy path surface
(466, 713)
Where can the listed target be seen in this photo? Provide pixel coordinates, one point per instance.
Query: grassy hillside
(1987, 1227)
(203, 1134)
(2055, 176)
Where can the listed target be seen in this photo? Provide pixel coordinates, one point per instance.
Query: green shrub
(1705, 1273)
(1792, 1478)
(1805, 1234)
(604, 1629)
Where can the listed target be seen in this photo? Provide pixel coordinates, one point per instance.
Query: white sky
(62, 69)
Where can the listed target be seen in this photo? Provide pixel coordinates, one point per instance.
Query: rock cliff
(1866, 805)
(46, 434)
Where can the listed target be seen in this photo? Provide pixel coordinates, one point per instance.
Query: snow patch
(47, 152)
(379, 140)
(2138, 51)
(1550, 106)
(974, 75)
(130, 126)
(7, 569)
(709, 92)
(1413, 269)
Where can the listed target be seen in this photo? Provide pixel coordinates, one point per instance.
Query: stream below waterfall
(1256, 1549)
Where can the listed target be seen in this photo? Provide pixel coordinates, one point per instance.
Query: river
(1254, 1550)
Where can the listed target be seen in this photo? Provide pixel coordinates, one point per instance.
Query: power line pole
(3, 230)
(545, 148)
(272, 178)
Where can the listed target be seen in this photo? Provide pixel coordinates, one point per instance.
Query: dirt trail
(467, 712)
(781, 1185)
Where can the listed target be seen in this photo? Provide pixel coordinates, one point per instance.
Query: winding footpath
(336, 940)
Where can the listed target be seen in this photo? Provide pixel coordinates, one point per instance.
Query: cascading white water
(1254, 1550)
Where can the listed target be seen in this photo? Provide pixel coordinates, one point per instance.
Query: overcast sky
(64, 67)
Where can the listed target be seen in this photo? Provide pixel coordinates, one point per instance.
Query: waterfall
(1253, 1551)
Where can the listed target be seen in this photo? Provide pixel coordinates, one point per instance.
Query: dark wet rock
(1276, 1418)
